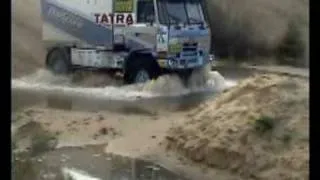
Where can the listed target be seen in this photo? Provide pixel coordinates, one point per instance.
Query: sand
(258, 129)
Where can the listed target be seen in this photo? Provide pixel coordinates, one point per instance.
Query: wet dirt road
(92, 160)
(88, 163)
(22, 99)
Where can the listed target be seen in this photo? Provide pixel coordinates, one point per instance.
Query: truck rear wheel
(58, 61)
(141, 69)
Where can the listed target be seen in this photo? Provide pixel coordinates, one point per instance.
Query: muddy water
(72, 100)
(24, 98)
(87, 162)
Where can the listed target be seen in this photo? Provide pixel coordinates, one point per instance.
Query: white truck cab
(141, 38)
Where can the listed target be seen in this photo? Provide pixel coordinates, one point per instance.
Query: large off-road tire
(58, 61)
(184, 76)
(141, 69)
(197, 77)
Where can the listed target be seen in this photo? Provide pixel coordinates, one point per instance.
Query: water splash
(72, 173)
(167, 85)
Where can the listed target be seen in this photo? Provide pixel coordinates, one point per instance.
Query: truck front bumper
(186, 63)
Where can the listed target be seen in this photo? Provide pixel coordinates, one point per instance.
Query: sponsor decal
(175, 47)
(73, 23)
(162, 40)
(123, 6)
(65, 17)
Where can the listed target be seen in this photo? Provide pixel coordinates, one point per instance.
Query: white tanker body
(141, 38)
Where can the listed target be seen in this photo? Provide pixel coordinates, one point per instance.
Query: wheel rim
(57, 64)
(142, 76)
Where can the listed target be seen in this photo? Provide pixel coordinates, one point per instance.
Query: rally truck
(142, 39)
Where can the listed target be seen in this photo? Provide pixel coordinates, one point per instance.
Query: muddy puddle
(86, 163)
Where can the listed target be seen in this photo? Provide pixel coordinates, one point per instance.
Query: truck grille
(189, 47)
(189, 53)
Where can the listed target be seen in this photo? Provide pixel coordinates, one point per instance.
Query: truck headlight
(172, 62)
(211, 57)
(200, 53)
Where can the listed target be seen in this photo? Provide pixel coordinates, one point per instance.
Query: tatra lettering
(118, 18)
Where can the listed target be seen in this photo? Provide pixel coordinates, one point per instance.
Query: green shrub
(42, 142)
(292, 48)
(264, 124)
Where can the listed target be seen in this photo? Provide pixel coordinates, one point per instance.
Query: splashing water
(167, 85)
(72, 173)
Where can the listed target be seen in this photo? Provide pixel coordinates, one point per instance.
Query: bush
(233, 32)
(264, 124)
(243, 30)
(42, 142)
(291, 49)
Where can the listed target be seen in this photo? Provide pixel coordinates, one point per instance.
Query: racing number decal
(161, 39)
(162, 42)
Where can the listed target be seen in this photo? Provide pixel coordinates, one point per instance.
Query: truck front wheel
(142, 76)
(141, 69)
(58, 61)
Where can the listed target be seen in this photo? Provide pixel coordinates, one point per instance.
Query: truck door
(142, 34)
(123, 17)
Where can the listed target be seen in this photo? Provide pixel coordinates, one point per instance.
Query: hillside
(255, 27)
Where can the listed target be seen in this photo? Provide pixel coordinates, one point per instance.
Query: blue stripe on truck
(75, 25)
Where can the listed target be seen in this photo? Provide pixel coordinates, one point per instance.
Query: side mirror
(177, 26)
(150, 19)
(201, 26)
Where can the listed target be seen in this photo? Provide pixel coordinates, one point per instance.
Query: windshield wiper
(195, 21)
(174, 18)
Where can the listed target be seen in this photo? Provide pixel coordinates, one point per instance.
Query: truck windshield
(180, 12)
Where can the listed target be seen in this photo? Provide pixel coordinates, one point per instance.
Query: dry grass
(258, 129)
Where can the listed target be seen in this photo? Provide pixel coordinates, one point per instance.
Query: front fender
(137, 52)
